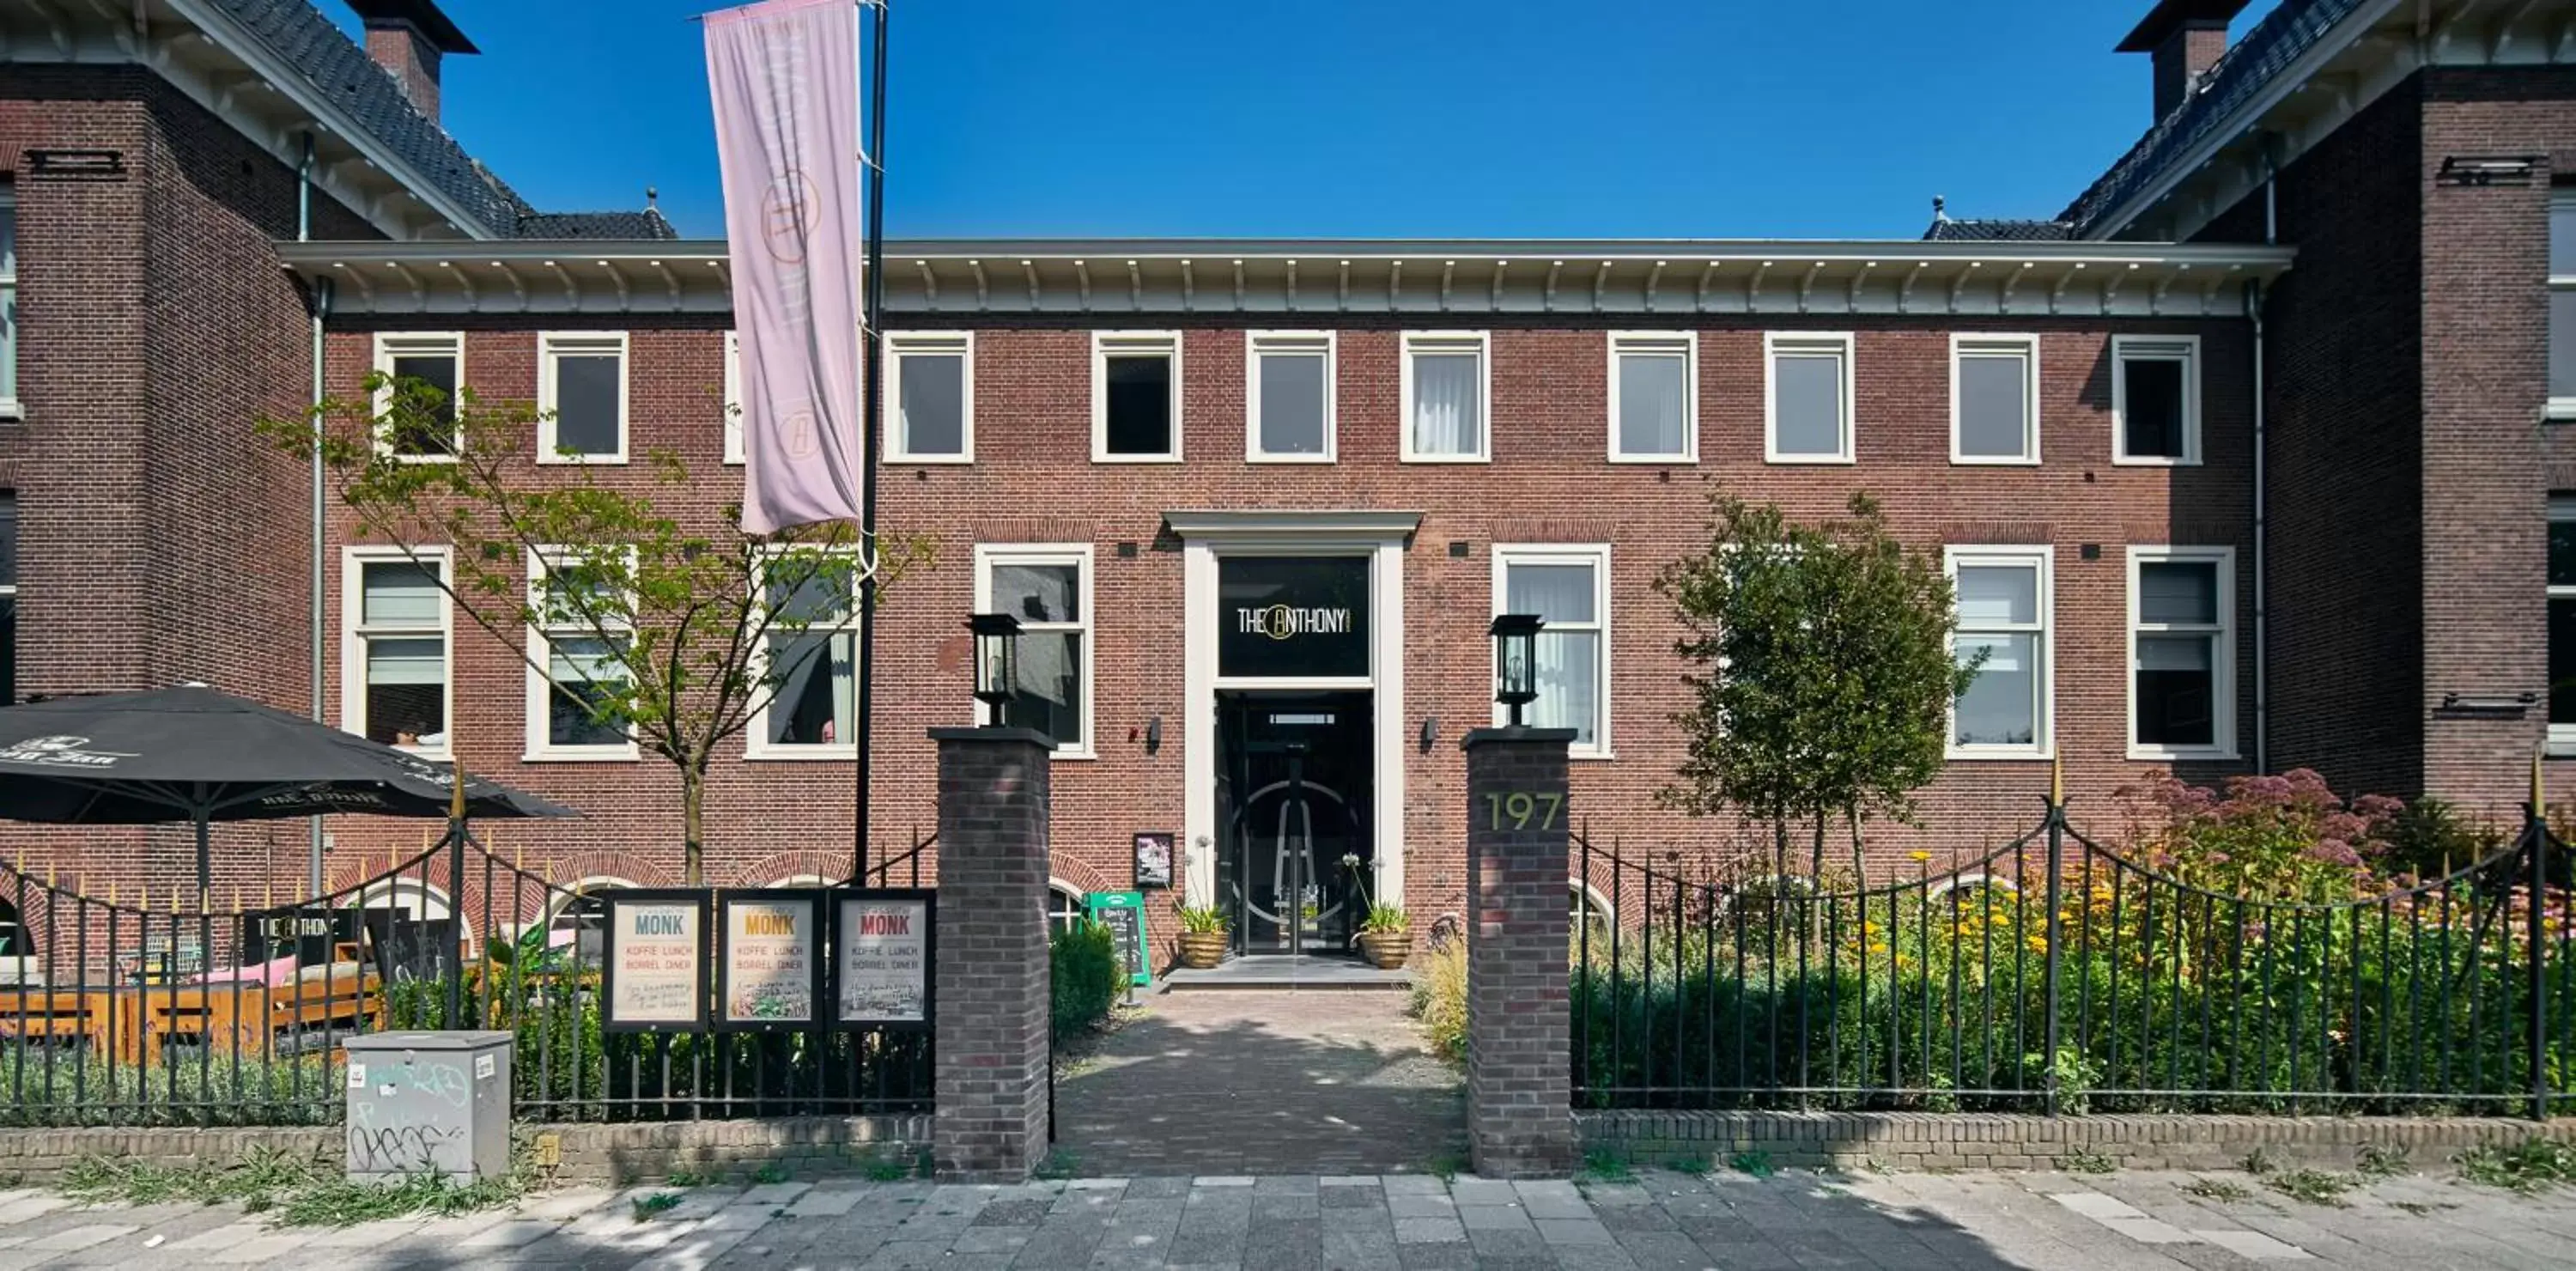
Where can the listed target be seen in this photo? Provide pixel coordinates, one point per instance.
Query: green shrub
(1086, 970)
(1440, 999)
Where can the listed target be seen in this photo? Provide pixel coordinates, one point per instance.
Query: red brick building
(2242, 462)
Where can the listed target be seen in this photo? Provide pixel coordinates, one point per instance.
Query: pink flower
(2333, 852)
(2219, 858)
(2378, 806)
(2343, 825)
(2259, 791)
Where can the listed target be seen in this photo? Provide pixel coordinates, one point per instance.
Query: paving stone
(1353, 1198)
(991, 1239)
(22, 1207)
(1574, 1231)
(2097, 1205)
(224, 1237)
(2253, 1244)
(1224, 1180)
(1414, 1185)
(1428, 1230)
(260, 1252)
(1158, 1186)
(1494, 1217)
(1266, 1208)
(2153, 1231)
(81, 1237)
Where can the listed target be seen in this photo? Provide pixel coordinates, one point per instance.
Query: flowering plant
(2284, 837)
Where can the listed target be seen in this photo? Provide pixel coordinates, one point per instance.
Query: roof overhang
(1431, 280)
(2372, 49)
(199, 48)
(1243, 527)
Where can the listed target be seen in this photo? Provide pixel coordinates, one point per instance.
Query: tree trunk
(1816, 887)
(693, 823)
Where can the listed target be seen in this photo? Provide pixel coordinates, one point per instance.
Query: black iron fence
(172, 1009)
(2054, 974)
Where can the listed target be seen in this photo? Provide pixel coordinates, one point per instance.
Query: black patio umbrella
(193, 754)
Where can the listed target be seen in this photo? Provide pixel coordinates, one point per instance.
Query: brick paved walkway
(1793, 1222)
(1262, 1082)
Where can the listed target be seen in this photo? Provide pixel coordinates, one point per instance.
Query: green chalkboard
(1124, 912)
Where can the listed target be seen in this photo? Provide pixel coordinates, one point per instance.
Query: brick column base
(1520, 1119)
(991, 1014)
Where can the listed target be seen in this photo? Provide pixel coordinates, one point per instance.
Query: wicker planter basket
(1387, 950)
(1202, 949)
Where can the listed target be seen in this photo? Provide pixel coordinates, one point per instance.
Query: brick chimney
(409, 38)
(2187, 38)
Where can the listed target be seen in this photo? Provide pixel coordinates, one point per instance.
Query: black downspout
(869, 408)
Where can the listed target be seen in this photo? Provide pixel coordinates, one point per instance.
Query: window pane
(1994, 407)
(427, 432)
(934, 403)
(407, 692)
(587, 388)
(2152, 410)
(1652, 394)
(9, 540)
(8, 650)
(1050, 699)
(9, 340)
(1991, 595)
(2562, 661)
(399, 594)
(811, 592)
(1292, 404)
(1569, 683)
(407, 661)
(1448, 404)
(586, 675)
(2562, 343)
(817, 702)
(1038, 593)
(2176, 691)
(1807, 394)
(1557, 593)
(2001, 706)
(2178, 591)
(2562, 550)
(1140, 405)
(2562, 237)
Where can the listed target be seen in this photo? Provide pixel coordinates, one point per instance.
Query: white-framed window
(815, 712)
(2562, 303)
(1569, 587)
(578, 645)
(581, 394)
(8, 598)
(1807, 397)
(930, 392)
(2562, 624)
(1047, 586)
(2182, 652)
(2155, 399)
(1288, 397)
(733, 397)
(396, 627)
(1994, 399)
(1064, 908)
(437, 360)
(1448, 396)
(9, 406)
(1654, 397)
(2005, 599)
(1135, 396)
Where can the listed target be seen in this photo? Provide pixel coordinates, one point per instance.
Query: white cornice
(1237, 527)
(1425, 282)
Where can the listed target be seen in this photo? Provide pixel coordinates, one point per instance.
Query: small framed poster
(1124, 914)
(653, 971)
(882, 944)
(1154, 858)
(769, 958)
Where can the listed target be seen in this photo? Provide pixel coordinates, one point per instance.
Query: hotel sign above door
(1299, 617)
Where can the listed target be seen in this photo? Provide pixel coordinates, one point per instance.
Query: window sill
(1067, 752)
(2154, 461)
(1591, 756)
(2019, 754)
(1657, 461)
(1098, 457)
(581, 461)
(801, 754)
(416, 458)
(2169, 754)
(932, 460)
(1994, 461)
(1810, 460)
(11, 409)
(1448, 459)
(2560, 410)
(1304, 459)
(591, 754)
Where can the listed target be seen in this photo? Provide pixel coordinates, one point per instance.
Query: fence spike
(519, 857)
(2537, 800)
(111, 893)
(268, 894)
(2057, 781)
(143, 896)
(49, 875)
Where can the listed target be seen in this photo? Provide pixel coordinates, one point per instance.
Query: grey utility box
(429, 1101)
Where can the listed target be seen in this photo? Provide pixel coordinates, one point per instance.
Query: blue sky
(1365, 118)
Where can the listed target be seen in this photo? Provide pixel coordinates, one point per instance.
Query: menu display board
(768, 959)
(1124, 913)
(1154, 858)
(881, 958)
(653, 973)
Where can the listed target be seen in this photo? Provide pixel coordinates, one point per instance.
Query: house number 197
(1519, 808)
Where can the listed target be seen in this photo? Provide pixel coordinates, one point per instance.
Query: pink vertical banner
(786, 83)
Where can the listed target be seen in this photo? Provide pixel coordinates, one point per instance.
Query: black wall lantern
(997, 662)
(1516, 661)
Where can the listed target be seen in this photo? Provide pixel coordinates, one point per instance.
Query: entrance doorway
(1295, 846)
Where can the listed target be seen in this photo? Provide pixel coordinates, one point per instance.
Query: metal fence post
(2056, 883)
(455, 898)
(2536, 829)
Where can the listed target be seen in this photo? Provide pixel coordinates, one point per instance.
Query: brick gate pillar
(992, 974)
(1520, 1121)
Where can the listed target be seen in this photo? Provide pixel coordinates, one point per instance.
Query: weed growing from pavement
(2315, 1186)
(1758, 1164)
(658, 1202)
(1446, 1166)
(2419, 1208)
(2535, 1164)
(2259, 1162)
(2086, 1161)
(2217, 1189)
(687, 1178)
(1058, 1164)
(1691, 1165)
(887, 1169)
(300, 1191)
(2378, 1161)
(1606, 1164)
(772, 1172)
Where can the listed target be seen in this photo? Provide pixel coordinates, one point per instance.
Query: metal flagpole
(872, 166)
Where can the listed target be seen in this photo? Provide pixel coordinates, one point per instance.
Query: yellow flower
(1877, 948)
(1920, 856)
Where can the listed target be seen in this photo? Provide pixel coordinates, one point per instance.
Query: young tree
(1820, 670)
(669, 632)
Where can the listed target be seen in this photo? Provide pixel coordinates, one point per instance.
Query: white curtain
(1991, 595)
(1651, 403)
(1448, 410)
(1569, 659)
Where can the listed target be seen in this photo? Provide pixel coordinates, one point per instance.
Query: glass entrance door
(1295, 852)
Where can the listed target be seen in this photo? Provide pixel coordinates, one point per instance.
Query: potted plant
(1386, 939)
(1202, 936)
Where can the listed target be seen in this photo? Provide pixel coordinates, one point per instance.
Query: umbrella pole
(205, 861)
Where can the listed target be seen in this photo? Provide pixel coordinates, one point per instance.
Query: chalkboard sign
(408, 949)
(1124, 912)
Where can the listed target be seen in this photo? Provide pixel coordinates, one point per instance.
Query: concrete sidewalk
(1791, 1222)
